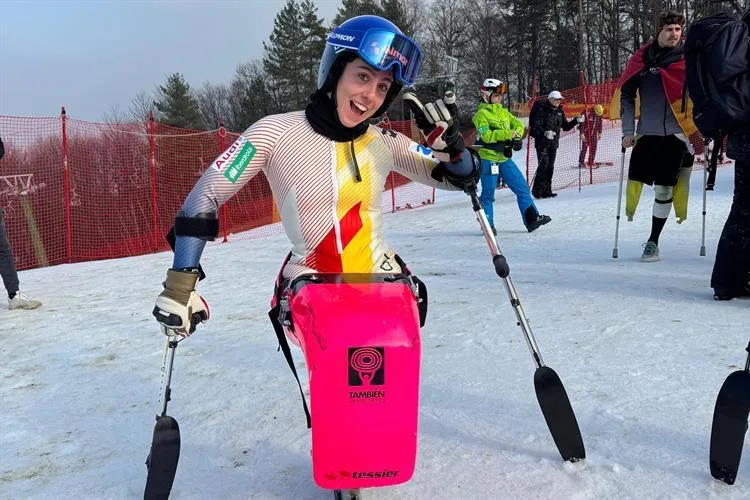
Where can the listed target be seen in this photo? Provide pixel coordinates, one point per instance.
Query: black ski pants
(732, 264)
(7, 265)
(543, 179)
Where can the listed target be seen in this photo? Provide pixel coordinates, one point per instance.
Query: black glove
(437, 125)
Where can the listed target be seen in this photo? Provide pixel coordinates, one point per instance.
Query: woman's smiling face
(360, 92)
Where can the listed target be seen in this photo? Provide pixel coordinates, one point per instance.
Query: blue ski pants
(511, 175)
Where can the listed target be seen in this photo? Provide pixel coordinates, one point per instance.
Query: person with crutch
(662, 154)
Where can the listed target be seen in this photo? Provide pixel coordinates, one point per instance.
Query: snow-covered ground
(641, 348)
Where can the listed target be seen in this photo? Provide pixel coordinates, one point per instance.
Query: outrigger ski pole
(550, 392)
(165, 445)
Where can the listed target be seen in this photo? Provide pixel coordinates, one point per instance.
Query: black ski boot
(534, 220)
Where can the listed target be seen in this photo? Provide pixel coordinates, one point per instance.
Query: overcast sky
(95, 56)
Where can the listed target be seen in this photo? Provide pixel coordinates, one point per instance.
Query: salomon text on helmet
(380, 44)
(492, 86)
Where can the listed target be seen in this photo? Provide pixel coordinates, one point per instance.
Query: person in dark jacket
(16, 300)
(731, 274)
(546, 119)
(591, 132)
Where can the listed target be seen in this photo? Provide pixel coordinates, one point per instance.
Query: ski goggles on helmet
(383, 50)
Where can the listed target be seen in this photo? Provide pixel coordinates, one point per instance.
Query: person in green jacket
(498, 132)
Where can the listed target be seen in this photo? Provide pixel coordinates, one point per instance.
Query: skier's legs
(550, 171)
(662, 207)
(584, 147)
(517, 183)
(538, 187)
(489, 185)
(592, 150)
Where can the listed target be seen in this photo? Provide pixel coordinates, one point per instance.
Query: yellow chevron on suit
(356, 200)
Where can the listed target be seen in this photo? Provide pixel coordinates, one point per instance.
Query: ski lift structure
(15, 186)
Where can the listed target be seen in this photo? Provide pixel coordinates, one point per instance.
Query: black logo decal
(366, 366)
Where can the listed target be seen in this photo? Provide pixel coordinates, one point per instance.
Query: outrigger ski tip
(729, 426)
(559, 414)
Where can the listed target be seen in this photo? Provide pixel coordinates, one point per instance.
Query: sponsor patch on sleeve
(234, 160)
(421, 150)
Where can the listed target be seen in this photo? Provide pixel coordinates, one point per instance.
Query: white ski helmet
(492, 86)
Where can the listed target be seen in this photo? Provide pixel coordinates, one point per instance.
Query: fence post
(528, 139)
(223, 209)
(154, 198)
(66, 186)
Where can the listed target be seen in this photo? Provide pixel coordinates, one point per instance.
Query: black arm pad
(204, 226)
(464, 173)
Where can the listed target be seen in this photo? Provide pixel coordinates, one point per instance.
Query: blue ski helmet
(380, 44)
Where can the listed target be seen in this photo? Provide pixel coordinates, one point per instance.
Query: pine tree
(395, 12)
(249, 96)
(176, 105)
(292, 55)
(315, 39)
(352, 8)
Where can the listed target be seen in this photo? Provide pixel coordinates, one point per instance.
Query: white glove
(179, 308)
(550, 134)
(581, 118)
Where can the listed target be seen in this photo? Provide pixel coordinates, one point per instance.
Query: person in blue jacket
(498, 131)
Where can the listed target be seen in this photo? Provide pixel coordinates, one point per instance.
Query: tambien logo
(366, 366)
(240, 162)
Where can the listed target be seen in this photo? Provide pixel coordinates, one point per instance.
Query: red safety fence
(73, 191)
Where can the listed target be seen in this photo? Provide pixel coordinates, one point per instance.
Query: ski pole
(706, 143)
(550, 392)
(619, 202)
(164, 454)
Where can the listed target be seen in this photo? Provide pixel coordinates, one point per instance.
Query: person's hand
(583, 136)
(437, 125)
(628, 141)
(550, 134)
(599, 135)
(581, 118)
(179, 308)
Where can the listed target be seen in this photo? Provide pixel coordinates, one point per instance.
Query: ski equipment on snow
(730, 424)
(360, 337)
(165, 444)
(550, 392)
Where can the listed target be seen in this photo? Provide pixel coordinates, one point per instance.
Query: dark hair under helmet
(380, 44)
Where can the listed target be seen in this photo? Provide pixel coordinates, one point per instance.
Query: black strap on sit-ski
(284, 346)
